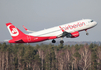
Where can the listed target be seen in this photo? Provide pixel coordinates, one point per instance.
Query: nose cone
(95, 23)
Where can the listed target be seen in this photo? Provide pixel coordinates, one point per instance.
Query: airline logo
(13, 30)
(67, 27)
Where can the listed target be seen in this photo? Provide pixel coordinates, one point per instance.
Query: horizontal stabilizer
(6, 40)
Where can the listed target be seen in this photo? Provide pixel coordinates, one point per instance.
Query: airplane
(69, 30)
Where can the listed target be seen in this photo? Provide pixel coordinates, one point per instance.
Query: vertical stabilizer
(15, 32)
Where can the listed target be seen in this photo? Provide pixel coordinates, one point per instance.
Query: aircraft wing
(63, 34)
(68, 34)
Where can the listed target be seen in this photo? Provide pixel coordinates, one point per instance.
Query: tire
(53, 41)
(61, 41)
(87, 33)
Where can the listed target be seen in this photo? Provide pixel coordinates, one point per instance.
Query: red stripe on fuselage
(30, 39)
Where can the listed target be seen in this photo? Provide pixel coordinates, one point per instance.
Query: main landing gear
(86, 32)
(53, 41)
(61, 41)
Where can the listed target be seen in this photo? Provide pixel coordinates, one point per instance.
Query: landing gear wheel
(53, 41)
(61, 41)
(87, 33)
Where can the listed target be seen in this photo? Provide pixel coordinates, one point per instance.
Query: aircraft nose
(96, 23)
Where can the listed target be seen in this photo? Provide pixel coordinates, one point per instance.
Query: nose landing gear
(86, 32)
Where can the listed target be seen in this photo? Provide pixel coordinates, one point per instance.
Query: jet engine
(72, 35)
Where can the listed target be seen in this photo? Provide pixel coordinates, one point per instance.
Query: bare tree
(42, 56)
(99, 58)
(85, 61)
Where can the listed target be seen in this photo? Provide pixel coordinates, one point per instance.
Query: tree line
(50, 57)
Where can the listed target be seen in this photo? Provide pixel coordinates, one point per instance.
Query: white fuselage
(69, 27)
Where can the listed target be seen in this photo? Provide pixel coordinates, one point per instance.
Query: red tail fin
(15, 32)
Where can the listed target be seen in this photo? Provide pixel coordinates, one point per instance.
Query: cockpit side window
(91, 21)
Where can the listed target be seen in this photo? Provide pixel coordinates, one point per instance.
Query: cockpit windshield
(91, 21)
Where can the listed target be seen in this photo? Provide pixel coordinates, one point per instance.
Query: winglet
(25, 28)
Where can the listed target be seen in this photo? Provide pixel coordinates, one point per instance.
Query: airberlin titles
(79, 24)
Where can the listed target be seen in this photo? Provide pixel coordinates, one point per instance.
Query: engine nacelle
(72, 35)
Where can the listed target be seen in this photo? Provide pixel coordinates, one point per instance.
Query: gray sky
(39, 14)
